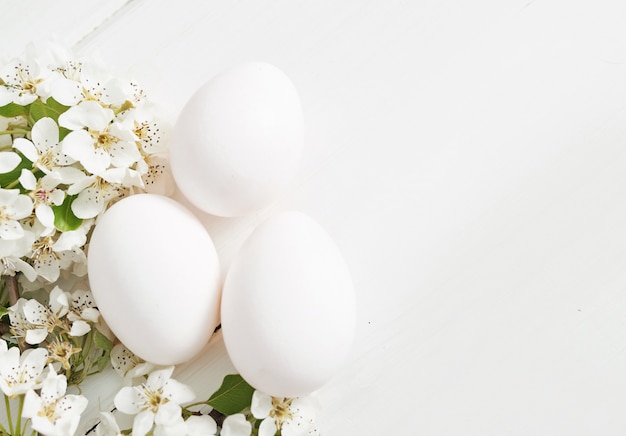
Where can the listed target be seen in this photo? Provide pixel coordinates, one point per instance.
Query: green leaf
(103, 361)
(64, 218)
(3, 311)
(51, 108)
(233, 396)
(14, 110)
(102, 341)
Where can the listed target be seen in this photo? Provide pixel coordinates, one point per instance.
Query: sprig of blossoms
(73, 140)
(40, 393)
(160, 406)
(68, 327)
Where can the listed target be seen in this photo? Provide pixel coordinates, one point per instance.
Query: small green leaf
(103, 361)
(3, 311)
(51, 108)
(14, 110)
(102, 341)
(233, 396)
(64, 218)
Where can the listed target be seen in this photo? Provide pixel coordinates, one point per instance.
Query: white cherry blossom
(45, 259)
(44, 150)
(155, 402)
(290, 416)
(33, 321)
(24, 81)
(96, 141)
(83, 312)
(44, 194)
(157, 177)
(52, 412)
(93, 199)
(20, 373)
(98, 85)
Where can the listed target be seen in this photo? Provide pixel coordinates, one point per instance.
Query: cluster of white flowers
(65, 313)
(157, 403)
(73, 140)
(41, 392)
(50, 333)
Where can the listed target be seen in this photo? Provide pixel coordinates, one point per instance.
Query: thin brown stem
(12, 288)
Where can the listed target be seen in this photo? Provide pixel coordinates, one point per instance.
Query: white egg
(288, 307)
(154, 274)
(237, 143)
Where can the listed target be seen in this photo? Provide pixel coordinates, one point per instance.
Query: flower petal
(22, 207)
(11, 230)
(167, 413)
(88, 204)
(128, 400)
(202, 425)
(45, 215)
(28, 180)
(54, 386)
(178, 392)
(36, 336)
(32, 404)
(236, 425)
(72, 118)
(70, 240)
(267, 427)
(45, 134)
(156, 379)
(78, 145)
(65, 91)
(143, 423)
(261, 405)
(107, 425)
(79, 328)
(35, 312)
(9, 160)
(97, 117)
(27, 148)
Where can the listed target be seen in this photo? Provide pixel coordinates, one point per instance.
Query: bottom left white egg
(154, 274)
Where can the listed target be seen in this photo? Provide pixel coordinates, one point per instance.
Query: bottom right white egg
(288, 308)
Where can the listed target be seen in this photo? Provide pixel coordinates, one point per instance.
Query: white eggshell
(238, 141)
(154, 274)
(288, 307)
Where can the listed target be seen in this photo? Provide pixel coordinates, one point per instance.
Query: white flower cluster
(72, 141)
(157, 403)
(65, 314)
(43, 392)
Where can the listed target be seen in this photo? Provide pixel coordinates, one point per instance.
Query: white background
(469, 159)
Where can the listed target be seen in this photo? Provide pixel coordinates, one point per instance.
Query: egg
(154, 274)
(288, 307)
(237, 143)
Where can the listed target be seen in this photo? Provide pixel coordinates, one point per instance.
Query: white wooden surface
(469, 159)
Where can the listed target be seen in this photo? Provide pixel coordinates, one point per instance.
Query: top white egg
(238, 141)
